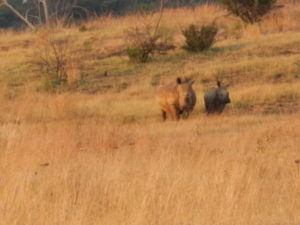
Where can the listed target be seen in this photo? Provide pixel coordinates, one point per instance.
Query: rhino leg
(187, 113)
(209, 108)
(220, 108)
(174, 112)
(164, 115)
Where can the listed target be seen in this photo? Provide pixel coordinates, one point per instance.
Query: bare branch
(161, 10)
(27, 13)
(46, 11)
(56, 10)
(16, 12)
(85, 10)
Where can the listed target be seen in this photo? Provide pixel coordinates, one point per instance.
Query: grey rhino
(176, 98)
(215, 99)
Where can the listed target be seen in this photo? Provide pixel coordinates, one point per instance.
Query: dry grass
(217, 170)
(106, 158)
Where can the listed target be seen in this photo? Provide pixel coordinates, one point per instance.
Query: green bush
(197, 40)
(250, 11)
(54, 83)
(140, 52)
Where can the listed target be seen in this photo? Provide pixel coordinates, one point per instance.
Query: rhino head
(222, 93)
(185, 90)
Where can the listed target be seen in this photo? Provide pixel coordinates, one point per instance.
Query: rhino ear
(178, 80)
(191, 82)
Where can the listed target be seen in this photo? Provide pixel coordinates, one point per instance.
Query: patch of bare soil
(282, 106)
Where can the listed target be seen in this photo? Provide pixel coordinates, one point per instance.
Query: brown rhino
(176, 98)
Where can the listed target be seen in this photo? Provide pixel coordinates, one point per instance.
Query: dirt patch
(283, 106)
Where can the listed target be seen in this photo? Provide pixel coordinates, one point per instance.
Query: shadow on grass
(223, 49)
(206, 54)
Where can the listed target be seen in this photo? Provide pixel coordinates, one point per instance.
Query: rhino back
(210, 96)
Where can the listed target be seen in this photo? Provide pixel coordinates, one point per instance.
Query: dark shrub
(250, 11)
(197, 40)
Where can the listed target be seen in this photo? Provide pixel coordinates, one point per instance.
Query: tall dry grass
(207, 170)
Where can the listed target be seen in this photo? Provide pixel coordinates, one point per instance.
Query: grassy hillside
(261, 62)
(98, 153)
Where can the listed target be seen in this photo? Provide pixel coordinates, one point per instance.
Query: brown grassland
(98, 153)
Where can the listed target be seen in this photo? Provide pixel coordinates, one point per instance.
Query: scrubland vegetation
(93, 149)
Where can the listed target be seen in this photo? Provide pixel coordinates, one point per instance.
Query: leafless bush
(144, 42)
(57, 61)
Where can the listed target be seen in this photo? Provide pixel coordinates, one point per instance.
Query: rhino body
(215, 99)
(176, 98)
(191, 103)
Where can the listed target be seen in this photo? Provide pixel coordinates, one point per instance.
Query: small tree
(250, 11)
(143, 44)
(57, 61)
(38, 12)
(197, 40)
(17, 13)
